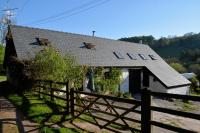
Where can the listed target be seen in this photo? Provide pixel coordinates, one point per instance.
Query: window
(143, 56)
(132, 56)
(152, 57)
(118, 55)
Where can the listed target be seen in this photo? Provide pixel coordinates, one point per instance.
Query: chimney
(93, 32)
(140, 42)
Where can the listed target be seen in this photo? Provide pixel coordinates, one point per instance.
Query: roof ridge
(76, 34)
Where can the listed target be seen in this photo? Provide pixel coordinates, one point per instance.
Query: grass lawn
(60, 130)
(2, 78)
(37, 109)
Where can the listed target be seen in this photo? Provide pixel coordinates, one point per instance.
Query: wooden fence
(45, 88)
(106, 111)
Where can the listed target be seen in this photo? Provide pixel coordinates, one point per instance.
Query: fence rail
(98, 106)
(45, 87)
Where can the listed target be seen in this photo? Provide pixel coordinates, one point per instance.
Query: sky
(109, 18)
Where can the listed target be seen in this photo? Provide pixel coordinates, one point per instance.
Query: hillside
(173, 47)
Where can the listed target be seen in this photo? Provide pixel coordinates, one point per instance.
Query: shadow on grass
(43, 111)
(33, 108)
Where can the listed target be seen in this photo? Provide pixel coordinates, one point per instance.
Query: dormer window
(43, 41)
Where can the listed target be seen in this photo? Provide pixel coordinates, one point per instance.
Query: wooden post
(67, 97)
(145, 111)
(40, 90)
(72, 101)
(50, 86)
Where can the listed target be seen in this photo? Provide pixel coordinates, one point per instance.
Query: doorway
(135, 81)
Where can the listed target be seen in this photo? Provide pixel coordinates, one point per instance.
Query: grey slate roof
(26, 46)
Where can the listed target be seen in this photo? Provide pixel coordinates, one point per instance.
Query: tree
(48, 64)
(195, 68)
(145, 39)
(178, 67)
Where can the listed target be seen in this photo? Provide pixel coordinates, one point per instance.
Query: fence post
(40, 90)
(67, 97)
(72, 101)
(145, 111)
(50, 86)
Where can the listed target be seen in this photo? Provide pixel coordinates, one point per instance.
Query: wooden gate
(107, 112)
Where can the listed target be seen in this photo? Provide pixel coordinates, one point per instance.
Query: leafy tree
(50, 65)
(178, 67)
(196, 69)
(145, 39)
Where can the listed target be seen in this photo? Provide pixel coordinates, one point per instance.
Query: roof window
(132, 56)
(152, 57)
(143, 56)
(118, 55)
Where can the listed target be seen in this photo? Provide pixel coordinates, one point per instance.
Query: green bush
(107, 81)
(48, 64)
(194, 85)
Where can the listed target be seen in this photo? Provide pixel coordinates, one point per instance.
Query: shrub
(48, 64)
(107, 81)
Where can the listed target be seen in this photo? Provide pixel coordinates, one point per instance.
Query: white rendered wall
(180, 90)
(124, 86)
(158, 87)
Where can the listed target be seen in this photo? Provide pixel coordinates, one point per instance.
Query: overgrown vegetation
(107, 80)
(49, 64)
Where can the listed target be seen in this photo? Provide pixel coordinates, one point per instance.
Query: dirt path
(12, 120)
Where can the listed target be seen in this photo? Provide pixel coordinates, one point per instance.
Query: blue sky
(112, 18)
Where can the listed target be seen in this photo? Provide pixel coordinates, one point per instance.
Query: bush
(178, 67)
(107, 81)
(48, 64)
(194, 85)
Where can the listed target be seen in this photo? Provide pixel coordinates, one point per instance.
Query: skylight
(118, 55)
(143, 56)
(132, 56)
(152, 57)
